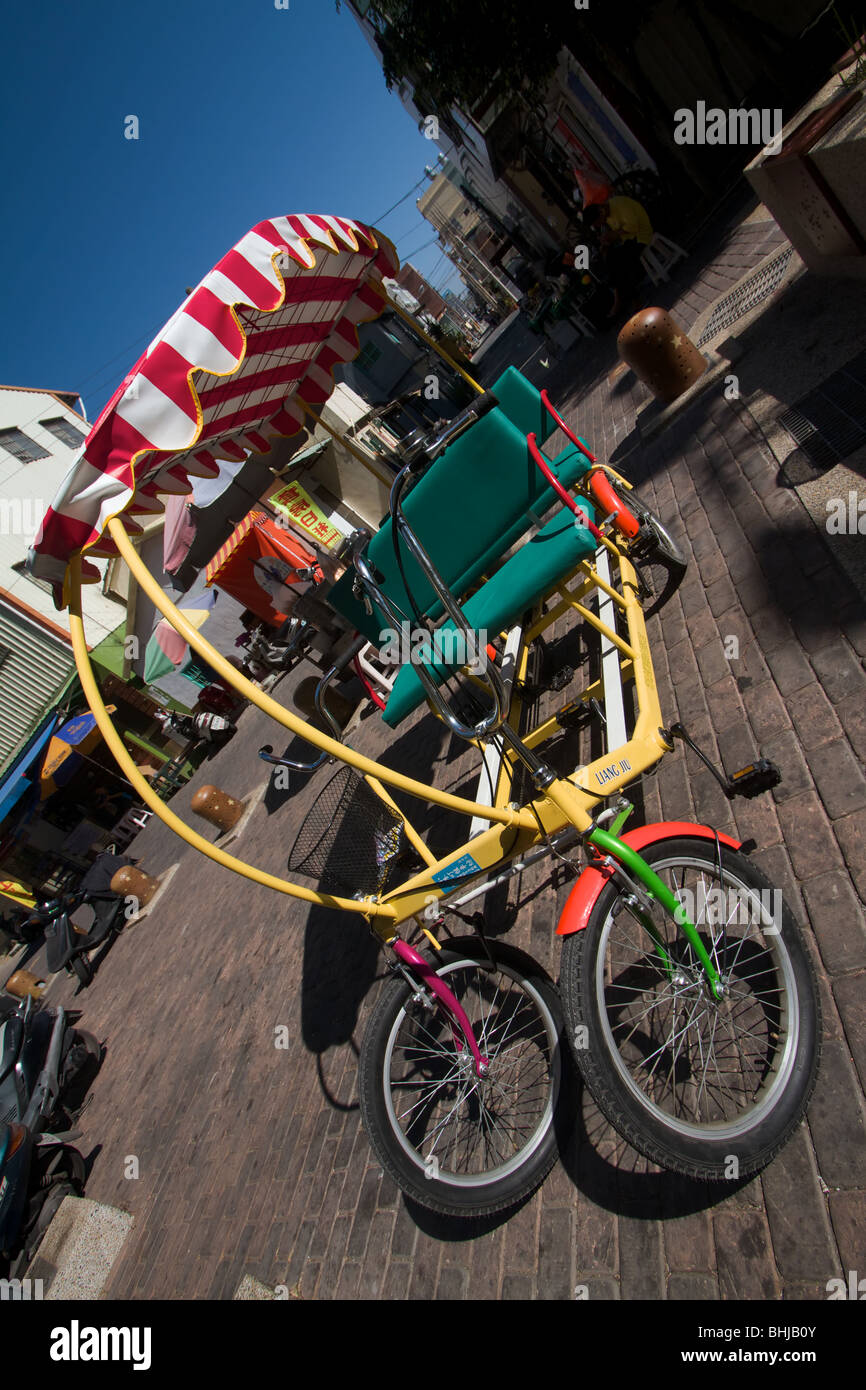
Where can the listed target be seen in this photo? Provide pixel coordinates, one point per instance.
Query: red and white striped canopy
(263, 329)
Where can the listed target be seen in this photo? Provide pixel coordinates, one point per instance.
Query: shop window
(64, 430)
(21, 446)
(367, 357)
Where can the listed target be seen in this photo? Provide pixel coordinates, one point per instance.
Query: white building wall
(26, 490)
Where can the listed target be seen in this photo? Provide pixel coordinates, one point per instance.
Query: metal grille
(351, 840)
(736, 303)
(34, 671)
(829, 423)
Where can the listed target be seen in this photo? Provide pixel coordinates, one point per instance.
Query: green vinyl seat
(554, 552)
(468, 510)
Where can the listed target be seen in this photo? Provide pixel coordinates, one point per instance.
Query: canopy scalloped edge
(161, 427)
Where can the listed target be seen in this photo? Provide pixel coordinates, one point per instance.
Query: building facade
(41, 433)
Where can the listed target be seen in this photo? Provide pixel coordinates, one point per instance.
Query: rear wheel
(707, 1087)
(82, 1060)
(455, 1142)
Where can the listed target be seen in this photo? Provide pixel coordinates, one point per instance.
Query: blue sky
(245, 111)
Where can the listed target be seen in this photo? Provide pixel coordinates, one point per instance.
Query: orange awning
(259, 564)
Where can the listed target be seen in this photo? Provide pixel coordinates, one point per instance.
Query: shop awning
(18, 780)
(252, 349)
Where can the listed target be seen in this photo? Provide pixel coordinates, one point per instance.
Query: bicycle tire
(611, 1029)
(659, 551)
(83, 970)
(408, 1048)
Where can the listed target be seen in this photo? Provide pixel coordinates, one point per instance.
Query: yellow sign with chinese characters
(306, 514)
(20, 893)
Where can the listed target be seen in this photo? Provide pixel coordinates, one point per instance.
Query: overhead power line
(431, 242)
(420, 182)
(383, 215)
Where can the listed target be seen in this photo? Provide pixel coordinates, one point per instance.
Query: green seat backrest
(467, 510)
(519, 400)
(522, 403)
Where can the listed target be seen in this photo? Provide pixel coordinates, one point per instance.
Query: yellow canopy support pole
(411, 833)
(382, 477)
(425, 337)
(149, 796)
(283, 716)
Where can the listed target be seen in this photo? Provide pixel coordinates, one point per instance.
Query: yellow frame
(512, 830)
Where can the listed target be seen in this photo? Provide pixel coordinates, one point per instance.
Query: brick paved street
(252, 1159)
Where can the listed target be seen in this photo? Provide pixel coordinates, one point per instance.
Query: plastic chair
(661, 256)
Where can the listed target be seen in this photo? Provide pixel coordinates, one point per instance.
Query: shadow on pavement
(609, 1172)
(604, 1169)
(341, 961)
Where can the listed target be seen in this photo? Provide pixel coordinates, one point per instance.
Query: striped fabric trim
(270, 322)
(226, 551)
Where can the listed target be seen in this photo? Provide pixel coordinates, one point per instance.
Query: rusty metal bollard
(132, 883)
(217, 807)
(660, 353)
(23, 982)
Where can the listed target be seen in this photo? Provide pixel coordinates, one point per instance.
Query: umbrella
(73, 741)
(179, 532)
(166, 649)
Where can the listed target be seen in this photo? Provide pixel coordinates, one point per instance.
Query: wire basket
(350, 840)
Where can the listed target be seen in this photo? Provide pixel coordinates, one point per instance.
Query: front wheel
(659, 560)
(455, 1142)
(712, 1088)
(82, 969)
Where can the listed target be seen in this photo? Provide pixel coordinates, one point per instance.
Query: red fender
(582, 898)
(609, 504)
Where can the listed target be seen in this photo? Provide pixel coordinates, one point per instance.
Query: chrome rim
(456, 1127)
(705, 1068)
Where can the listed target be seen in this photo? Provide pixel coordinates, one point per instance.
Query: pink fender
(582, 898)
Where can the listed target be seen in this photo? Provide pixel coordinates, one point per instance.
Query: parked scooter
(213, 729)
(36, 1172)
(271, 653)
(45, 1067)
(67, 945)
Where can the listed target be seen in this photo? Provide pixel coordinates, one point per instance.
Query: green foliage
(451, 50)
(852, 32)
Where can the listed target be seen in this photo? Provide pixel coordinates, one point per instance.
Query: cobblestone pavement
(252, 1160)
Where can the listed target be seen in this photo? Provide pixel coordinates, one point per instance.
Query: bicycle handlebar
(545, 401)
(559, 489)
(430, 445)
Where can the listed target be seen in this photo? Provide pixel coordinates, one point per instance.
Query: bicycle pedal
(562, 678)
(757, 777)
(579, 714)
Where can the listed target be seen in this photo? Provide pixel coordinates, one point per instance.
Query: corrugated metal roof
(34, 671)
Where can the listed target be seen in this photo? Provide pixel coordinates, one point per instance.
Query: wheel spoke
(691, 1058)
(474, 1126)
